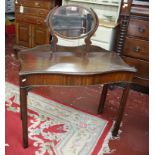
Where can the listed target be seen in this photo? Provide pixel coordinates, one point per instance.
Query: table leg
(23, 100)
(102, 99)
(121, 110)
(21, 103)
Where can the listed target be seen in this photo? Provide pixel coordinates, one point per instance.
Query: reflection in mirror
(72, 21)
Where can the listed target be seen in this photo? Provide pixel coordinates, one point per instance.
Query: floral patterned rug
(54, 128)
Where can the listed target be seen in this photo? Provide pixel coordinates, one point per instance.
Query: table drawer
(33, 11)
(44, 4)
(141, 66)
(136, 48)
(138, 28)
(30, 19)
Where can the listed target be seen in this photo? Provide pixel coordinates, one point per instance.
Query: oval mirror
(72, 21)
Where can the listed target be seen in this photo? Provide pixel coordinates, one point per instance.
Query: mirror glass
(72, 21)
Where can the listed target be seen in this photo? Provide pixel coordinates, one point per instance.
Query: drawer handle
(136, 49)
(141, 29)
(37, 4)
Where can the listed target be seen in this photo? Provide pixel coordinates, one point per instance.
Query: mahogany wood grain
(121, 110)
(102, 99)
(23, 100)
(143, 81)
(140, 8)
(78, 80)
(23, 31)
(138, 28)
(46, 4)
(33, 11)
(30, 19)
(136, 48)
(142, 66)
(39, 35)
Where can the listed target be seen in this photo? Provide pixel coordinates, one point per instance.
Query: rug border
(100, 142)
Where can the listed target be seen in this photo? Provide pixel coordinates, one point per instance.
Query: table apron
(75, 80)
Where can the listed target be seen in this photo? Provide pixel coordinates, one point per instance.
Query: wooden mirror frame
(87, 36)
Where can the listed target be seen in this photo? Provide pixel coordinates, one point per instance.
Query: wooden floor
(135, 126)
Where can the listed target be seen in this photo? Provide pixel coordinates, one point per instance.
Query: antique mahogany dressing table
(72, 66)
